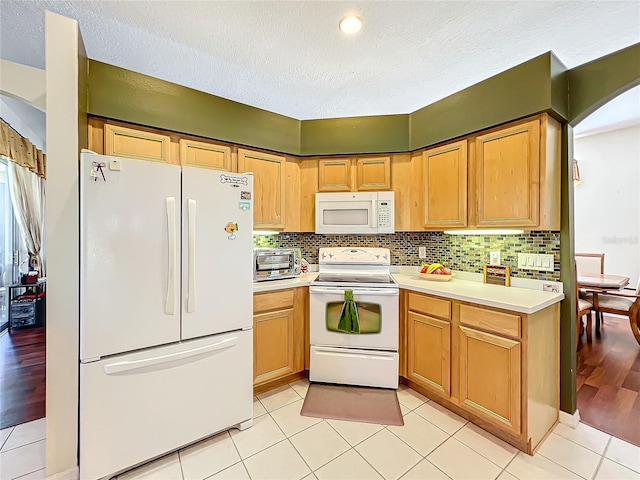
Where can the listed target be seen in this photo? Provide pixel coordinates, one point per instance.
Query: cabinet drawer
(497, 322)
(22, 308)
(430, 306)
(263, 302)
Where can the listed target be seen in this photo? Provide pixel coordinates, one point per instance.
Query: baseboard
(265, 387)
(569, 419)
(72, 473)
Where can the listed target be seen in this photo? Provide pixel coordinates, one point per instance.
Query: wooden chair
(589, 263)
(583, 307)
(618, 303)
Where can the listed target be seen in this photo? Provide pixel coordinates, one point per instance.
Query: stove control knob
(331, 255)
(377, 255)
(324, 255)
(384, 256)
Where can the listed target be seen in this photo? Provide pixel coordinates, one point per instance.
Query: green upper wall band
(538, 85)
(595, 83)
(133, 97)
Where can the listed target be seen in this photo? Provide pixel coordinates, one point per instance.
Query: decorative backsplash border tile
(466, 253)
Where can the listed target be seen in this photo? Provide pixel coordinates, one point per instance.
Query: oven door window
(369, 315)
(272, 262)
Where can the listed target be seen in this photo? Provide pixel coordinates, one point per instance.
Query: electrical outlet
(422, 252)
(550, 287)
(494, 258)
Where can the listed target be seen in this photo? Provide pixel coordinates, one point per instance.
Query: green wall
(526, 89)
(384, 133)
(519, 92)
(132, 97)
(595, 83)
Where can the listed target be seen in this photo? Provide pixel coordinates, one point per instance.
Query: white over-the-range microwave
(355, 213)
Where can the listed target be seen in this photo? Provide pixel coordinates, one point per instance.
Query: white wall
(22, 120)
(63, 43)
(607, 203)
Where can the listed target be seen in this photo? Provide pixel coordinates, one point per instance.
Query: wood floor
(608, 380)
(22, 376)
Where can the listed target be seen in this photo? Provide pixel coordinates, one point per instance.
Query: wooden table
(601, 281)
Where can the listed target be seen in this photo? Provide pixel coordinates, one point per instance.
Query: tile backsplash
(466, 253)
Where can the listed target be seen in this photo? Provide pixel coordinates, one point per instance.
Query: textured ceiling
(289, 57)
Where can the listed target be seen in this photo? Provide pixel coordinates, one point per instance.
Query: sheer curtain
(27, 192)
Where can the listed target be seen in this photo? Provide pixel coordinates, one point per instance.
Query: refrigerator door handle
(170, 301)
(191, 287)
(126, 366)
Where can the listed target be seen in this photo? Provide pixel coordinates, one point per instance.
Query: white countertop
(269, 285)
(516, 299)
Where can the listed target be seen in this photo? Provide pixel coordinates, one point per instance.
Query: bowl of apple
(436, 272)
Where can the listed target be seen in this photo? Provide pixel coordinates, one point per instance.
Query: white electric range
(369, 357)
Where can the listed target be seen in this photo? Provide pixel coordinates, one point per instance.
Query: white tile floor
(282, 444)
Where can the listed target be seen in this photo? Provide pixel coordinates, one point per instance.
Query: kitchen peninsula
(488, 353)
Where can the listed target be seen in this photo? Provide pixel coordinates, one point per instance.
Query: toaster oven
(275, 263)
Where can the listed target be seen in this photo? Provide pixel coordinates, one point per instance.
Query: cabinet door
(268, 187)
(373, 173)
(429, 350)
(490, 382)
(127, 142)
(334, 175)
(205, 155)
(445, 186)
(273, 345)
(508, 176)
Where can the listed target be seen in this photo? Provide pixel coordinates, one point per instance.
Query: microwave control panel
(384, 213)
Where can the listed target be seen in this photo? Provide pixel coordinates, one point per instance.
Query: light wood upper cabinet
(490, 383)
(142, 145)
(507, 172)
(279, 334)
(205, 155)
(429, 353)
(354, 174)
(373, 173)
(334, 175)
(268, 187)
(445, 186)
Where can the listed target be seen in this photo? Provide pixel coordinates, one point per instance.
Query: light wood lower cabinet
(279, 331)
(497, 368)
(490, 383)
(429, 350)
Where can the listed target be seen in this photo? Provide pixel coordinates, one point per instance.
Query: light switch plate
(535, 261)
(115, 165)
(494, 258)
(422, 252)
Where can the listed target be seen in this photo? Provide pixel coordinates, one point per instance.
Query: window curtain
(28, 199)
(27, 170)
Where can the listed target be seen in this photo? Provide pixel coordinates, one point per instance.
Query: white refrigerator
(166, 305)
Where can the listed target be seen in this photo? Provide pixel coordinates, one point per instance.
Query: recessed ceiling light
(351, 24)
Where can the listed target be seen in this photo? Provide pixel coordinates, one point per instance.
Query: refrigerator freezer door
(130, 255)
(217, 252)
(135, 407)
